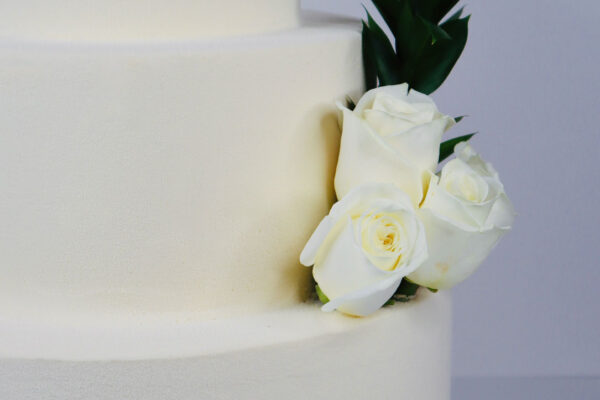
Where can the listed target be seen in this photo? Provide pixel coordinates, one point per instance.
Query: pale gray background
(529, 79)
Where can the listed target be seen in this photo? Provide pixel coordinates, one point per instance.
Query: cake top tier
(133, 20)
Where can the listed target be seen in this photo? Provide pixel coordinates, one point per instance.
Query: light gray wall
(529, 79)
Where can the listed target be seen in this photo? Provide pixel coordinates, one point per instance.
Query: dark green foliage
(406, 291)
(380, 56)
(351, 105)
(425, 51)
(436, 61)
(433, 10)
(447, 148)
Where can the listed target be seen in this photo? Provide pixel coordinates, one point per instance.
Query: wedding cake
(162, 165)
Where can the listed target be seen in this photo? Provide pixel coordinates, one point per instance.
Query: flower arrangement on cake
(403, 220)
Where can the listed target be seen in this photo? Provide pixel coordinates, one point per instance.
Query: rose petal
(443, 203)
(365, 157)
(419, 146)
(474, 213)
(374, 194)
(465, 152)
(344, 268)
(398, 91)
(385, 195)
(502, 214)
(309, 254)
(365, 301)
(454, 252)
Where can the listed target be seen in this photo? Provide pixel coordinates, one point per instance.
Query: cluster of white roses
(396, 217)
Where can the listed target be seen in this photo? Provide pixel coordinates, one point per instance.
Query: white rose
(392, 136)
(465, 214)
(370, 240)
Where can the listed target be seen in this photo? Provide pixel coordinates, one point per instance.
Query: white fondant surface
(118, 20)
(155, 198)
(159, 178)
(401, 352)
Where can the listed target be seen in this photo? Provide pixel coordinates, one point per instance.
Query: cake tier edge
(400, 352)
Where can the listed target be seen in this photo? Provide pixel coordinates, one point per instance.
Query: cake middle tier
(167, 177)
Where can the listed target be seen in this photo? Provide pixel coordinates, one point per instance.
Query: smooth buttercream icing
(168, 177)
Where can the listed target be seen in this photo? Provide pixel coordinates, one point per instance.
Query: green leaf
(406, 291)
(407, 288)
(351, 105)
(324, 299)
(403, 299)
(433, 10)
(432, 290)
(412, 35)
(435, 31)
(437, 60)
(447, 148)
(389, 10)
(381, 54)
(458, 119)
(368, 59)
(424, 52)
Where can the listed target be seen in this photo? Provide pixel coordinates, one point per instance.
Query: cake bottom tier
(401, 352)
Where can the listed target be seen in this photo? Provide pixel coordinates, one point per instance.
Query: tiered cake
(162, 165)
